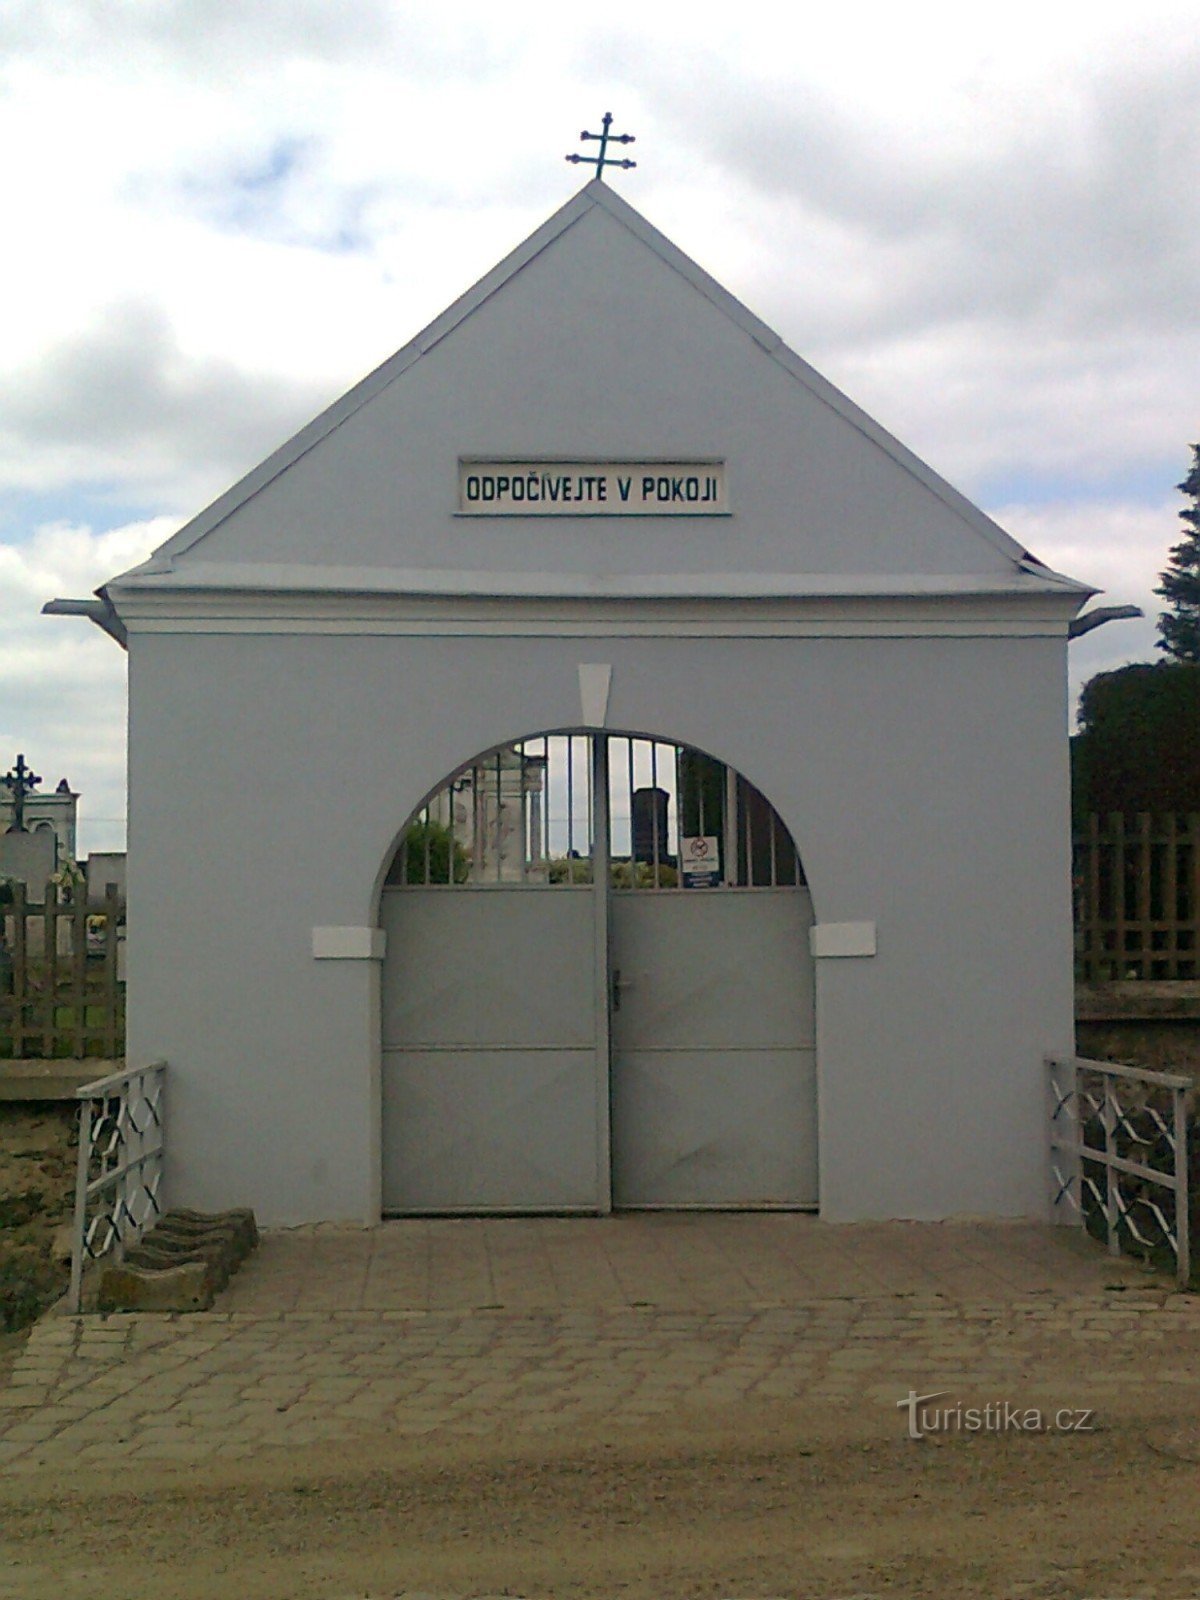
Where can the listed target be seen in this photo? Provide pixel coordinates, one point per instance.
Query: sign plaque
(592, 488)
(700, 861)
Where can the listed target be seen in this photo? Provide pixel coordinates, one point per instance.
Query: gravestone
(29, 858)
(649, 825)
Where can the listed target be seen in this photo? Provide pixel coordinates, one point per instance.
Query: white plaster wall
(598, 348)
(925, 781)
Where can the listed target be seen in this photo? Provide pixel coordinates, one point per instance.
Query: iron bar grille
(525, 814)
(1119, 1157)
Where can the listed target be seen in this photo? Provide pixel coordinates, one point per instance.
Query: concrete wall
(923, 778)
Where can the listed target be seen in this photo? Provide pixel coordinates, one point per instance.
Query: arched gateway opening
(598, 988)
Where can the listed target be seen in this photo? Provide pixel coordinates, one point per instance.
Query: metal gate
(598, 989)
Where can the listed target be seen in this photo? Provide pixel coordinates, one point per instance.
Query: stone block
(166, 1236)
(151, 1257)
(241, 1219)
(187, 1287)
(181, 1264)
(225, 1242)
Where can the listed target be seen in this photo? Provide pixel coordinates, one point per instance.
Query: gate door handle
(618, 986)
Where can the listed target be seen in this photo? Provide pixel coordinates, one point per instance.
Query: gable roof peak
(594, 197)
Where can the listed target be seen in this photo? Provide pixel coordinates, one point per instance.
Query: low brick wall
(41, 1079)
(1143, 1024)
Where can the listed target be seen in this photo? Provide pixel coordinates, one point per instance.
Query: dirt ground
(37, 1184)
(753, 1503)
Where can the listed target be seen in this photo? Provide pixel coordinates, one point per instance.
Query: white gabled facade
(869, 649)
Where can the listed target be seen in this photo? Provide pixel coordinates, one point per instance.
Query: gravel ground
(37, 1179)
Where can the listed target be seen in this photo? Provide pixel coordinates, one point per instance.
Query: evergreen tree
(1138, 748)
(1180, 585)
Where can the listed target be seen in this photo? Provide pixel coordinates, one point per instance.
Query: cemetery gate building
(594, 766)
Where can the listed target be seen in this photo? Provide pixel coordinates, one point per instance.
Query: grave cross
(19, 782)
(602, 160)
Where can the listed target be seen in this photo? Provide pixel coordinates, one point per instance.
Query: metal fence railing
(120, 1166)
(1119, 1156)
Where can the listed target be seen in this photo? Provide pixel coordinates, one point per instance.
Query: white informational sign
(700, 860)
(592, 489)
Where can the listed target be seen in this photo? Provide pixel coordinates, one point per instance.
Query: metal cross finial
(19, 782)
(602, 160)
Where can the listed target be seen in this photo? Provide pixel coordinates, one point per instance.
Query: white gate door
(492, 1099)
(567, 1025)
(713, 1050)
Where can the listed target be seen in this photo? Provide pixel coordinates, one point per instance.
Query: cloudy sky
(983, 225)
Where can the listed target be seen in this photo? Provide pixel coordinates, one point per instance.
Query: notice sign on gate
(700, 861)
(592, 489)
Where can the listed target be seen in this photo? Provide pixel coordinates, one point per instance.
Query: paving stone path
(332, 1336)
(227, 1385)
(440, 1333)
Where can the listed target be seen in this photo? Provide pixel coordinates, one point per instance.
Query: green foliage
(1180, 580)
(622, 874)
(640, 875)
(425, 855)
(71, 877)
(1138, 748)
(29, 1282)
(569, 869)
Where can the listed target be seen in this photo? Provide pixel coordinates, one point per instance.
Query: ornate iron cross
(601, 159)
(19, 782)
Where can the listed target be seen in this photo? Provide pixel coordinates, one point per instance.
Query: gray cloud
(121, 401)
(228, 46)
(1083, 215)
(207, 34)
(63, 700)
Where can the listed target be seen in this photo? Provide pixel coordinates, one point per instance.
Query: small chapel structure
(403, 931)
